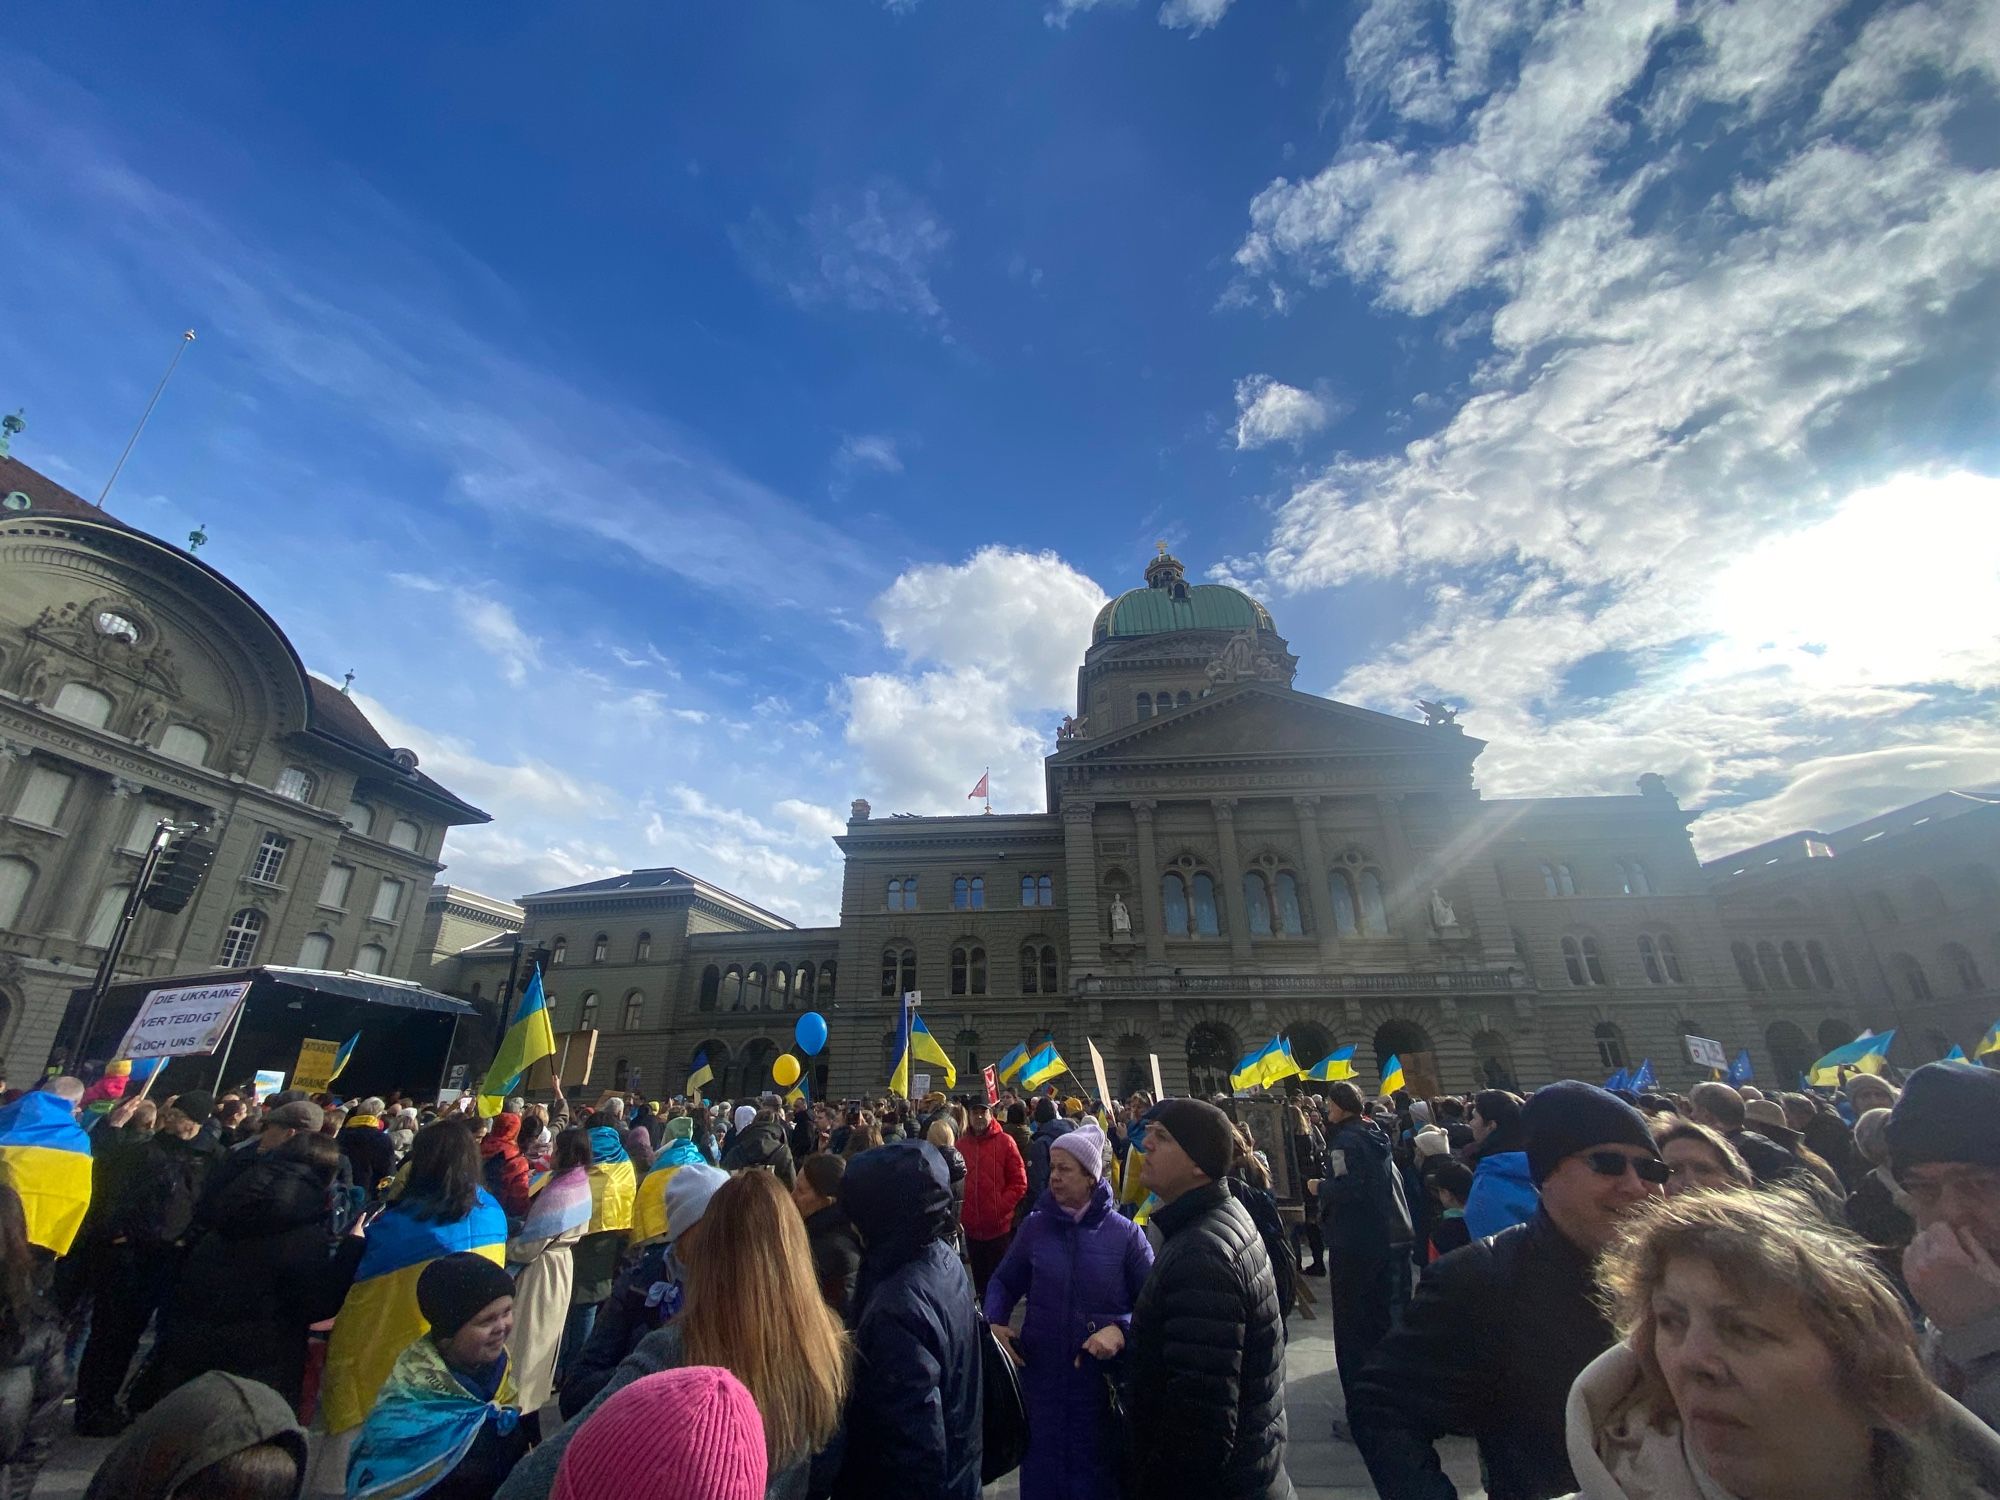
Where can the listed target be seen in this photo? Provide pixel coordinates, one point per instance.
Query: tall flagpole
(179, 349)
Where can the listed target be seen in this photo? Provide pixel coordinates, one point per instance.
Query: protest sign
(189, 1022)
(314, 1070)
(992, 1076)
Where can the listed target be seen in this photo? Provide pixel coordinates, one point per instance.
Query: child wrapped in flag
(45, 1156)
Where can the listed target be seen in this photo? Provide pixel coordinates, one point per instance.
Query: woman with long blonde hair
(754, 1309)
(1764, 1357)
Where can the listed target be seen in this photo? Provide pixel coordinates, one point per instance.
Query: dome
(1169, 602)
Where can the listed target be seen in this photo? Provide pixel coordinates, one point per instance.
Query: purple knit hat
(691, 1434)
(1086, 1145)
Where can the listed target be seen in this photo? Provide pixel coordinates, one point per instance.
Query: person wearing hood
(1080, 1265)
(913, 1413)
(1358, 1216)
(502, 1166)
(1205, 1391)
(262, 1270)
(1503, 1193)
(1762, 1354)
(1497, 1331)
(649, 1212)
(217, 1435)
(614, 1187)
(539, 1254)
(760, 1141)
(1049, 1125)
(366, 1144)
(403, 1134)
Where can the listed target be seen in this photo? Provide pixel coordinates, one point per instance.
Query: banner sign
(1097, 1067)
(1705, 1053)
(186, 1022)
(920, 1085)
(269, 1081)
(314, 1069)
(992, 1076)
(1159, 1089)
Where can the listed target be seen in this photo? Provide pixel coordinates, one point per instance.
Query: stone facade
(137, 683)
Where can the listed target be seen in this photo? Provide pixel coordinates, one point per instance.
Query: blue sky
(686, 418)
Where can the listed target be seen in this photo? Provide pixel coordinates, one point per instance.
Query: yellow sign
(315, 1065)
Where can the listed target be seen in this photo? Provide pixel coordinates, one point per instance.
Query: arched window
(1565, 881)
(1822, 971)
(731, 993)
(361, 818)
(968, 893)
(1038, 969)
(1925, 897)
(1145, 705)
(1212, 1050)
(297, 783)
(1649, 961)
(1207, 921)
(1181, 699)
(1290, 915)
(1257, 901)
(1795, 967)
(711, 988)
(1345, 921)
(1549, 887)
(1581, 961)
(239, 942)
(826, 977)
(754, 995)
(600, 946)
(1038, 890)
(316, 951)
(635, 1010)
(1961, 962)
(558, 951)
(621, 1073)
(1610, 1046)
(899, 971)
(372, 958)
(586, 1017)
(1885, 909)
(17, 878)
(781, 987)
(1633, 879)
(804, 990)
(186, 744)
(83, 703)
(1791, 1052)
(1911, 973)
(1670, 959)
(1746, 966)
(968, 970)
(1174, 904)
(1770, 968)
(1374, 915)
(642, 950)
(104, 916)
(403, 834)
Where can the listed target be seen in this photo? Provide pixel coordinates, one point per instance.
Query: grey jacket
(1965, 1362)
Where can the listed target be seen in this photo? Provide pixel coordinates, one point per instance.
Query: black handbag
(1004, 1410)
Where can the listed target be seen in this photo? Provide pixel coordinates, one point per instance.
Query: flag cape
(1392, 1075)
(1336, 1065)
(1957, 1054)
(1045, 1065)
(559, 1205)
(924, 1048)
(529, 1039)
(1011, 1065)
(379, 1319)
(1867, 1053)
(899, 1071)
(613, 1182)
(423, 1425)
(1740, 1071)
(702, 1074)
(649, 1211)
(1990, 1042)
(1265, 1065)
(46, 1156)
(342, 1057)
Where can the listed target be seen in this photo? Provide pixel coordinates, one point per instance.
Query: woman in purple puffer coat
(1080, 1264)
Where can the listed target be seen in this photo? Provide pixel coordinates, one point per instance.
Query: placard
(186, 1022)
(1097, 1067)
(992, 1076)
(1705, 1053)
(314, 1069)
(920, 1085)
(1159, 1089)
(574, 1054)
(269, 1081)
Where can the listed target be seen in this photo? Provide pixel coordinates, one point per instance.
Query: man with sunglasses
(1944, 1149)
(1496, 1332)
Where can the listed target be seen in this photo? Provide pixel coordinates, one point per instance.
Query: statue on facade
(1436, 715)
(1236, 660)
(1121, 917)
(1441, 913)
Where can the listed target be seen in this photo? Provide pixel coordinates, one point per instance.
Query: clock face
(115, 625)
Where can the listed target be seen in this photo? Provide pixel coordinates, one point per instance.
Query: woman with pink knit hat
(691, 1434)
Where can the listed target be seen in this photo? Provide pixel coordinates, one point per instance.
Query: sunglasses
(1616, 1164)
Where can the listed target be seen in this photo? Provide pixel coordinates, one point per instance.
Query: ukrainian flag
(925, 1048)
(899, 1071)
(1865, 1054)
(379, 1319)
(798, 1090)
(1957, 1054)
(341, 1058)
(45, 1155)
(1336, 1065)
(1014, 1061)
(529, 1039)
(1268, 1064)
(1045, 1065)
(702, 1074)
(613, 1182)
(1990, 1042)
(1392, 1075)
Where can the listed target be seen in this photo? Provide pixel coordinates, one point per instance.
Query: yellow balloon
(785, 1071)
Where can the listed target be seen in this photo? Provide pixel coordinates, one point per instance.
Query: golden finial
(1163, 548)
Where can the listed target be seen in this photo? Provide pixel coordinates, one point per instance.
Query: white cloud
(1269, 411)
(870, 451)
(809, 818)
(872, 250)
(1059, 12)
(493, 626)
(1195, 16)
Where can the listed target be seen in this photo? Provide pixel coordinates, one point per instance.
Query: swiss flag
(979, 791)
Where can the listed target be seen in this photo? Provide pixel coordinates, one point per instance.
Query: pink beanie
(690, 1434)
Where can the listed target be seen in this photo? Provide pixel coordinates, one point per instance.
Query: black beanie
(1202, 1130)
(1950, 1111)
(1565, 1118)
(452, 1290)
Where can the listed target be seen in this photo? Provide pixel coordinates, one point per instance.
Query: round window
(16, 500)
(115, 625)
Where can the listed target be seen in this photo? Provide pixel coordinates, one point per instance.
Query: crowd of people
(1717, 1296)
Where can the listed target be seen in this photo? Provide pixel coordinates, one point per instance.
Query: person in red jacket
(995, 1180)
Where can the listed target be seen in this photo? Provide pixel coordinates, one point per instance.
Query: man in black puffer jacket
(1206, 1388)
(763, 1143)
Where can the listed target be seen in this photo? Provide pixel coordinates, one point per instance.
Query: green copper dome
(1168, 602)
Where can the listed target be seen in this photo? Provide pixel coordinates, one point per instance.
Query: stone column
(1235, 909)
(1086, 924)
(87, 852)
(1313, 880)
(1149, 883)
(1407, 919)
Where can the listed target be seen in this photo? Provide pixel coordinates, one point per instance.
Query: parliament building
(1225, 858)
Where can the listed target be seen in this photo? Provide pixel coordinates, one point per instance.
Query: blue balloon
(810, 1033)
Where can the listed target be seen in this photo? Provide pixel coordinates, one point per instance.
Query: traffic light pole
(115, 949)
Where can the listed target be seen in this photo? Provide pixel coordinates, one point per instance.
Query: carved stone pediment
(1262, 719)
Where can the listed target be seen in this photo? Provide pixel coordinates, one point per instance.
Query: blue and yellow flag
(649, 1212)
(924, 1048)
(702, 1073)
(529, 1039)
(379, 1319)
(1957, 1054)
(1336, 1065)
(614, 1184)
(45, 1154)
(798, 1092)
(1989, 1043)
(1044, 1067)
(1867, 1053)
(1011, 1065)
(899, 1071)
(342, 1057)
(1392, 1075)
(1265, 1065)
